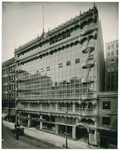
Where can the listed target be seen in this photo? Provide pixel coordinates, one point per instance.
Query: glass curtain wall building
(62, 71)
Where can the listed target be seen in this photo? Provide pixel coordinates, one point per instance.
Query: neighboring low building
(8, 89)
(111, 66)
(108, 108)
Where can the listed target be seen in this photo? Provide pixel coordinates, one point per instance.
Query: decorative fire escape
(88, 33)
(87, 40)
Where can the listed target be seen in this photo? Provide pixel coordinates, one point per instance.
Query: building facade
(8, 89)
(111, 66)
(108, 108)
(58, 77)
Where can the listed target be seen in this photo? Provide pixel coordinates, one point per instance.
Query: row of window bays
(8, 96)
(66, 106)
(7, 70)
(57, 60)
(8, 78)
(8, 87)
(105, 105)
(55, 39)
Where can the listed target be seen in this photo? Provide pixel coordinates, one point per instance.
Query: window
(112, 69)
(108, 54)
(108, 70)
(48, 68)
(112, 61)
(60, 65)
(68, 63)
(77, 60)
(116, 59)
(42, 69)
(116, 52)
(106, 105)
(112, 78)
(106, 120)
(59, 38)
(112, 86)
(112, 53)
(109, 47)
(117, 45)
(112, 46)
(108, 86)
(116, 69)
(108, 78)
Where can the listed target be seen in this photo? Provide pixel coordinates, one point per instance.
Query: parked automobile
(19, 130)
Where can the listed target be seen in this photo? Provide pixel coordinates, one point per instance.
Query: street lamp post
(66, 131)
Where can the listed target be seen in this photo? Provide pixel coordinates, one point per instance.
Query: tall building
(8, 89)
(111, 66)
(58, 77)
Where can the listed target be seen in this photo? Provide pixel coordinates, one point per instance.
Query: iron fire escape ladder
(86, 108)
(89, 52)
(88, 89)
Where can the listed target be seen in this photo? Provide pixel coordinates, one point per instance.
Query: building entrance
(82, 134)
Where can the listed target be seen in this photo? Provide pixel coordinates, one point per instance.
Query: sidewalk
(50, 138)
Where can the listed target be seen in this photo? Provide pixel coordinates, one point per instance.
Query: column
(56, 129)
(28, 105)
(77, 120)
(73, 107)
(40, 106)
(49, 107)
(56, 106)
(41, 124)
(74, 132)
(98, 138)
(29, 120)
(96, 122)
(18, 118)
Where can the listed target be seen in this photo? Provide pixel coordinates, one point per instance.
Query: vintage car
(19, 130)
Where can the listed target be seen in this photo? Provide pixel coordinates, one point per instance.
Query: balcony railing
(88, 64)
(86, 48)
(88, 112)
(64, 109)
(12, 71)
(89, 96)
(88, 30)
(89, 80)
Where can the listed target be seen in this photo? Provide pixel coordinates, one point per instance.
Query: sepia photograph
(59, 86)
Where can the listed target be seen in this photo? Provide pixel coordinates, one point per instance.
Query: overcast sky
(23, 21)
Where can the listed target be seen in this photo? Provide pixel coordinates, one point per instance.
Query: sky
(23, 21)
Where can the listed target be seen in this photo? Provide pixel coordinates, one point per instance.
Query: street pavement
(50, 138)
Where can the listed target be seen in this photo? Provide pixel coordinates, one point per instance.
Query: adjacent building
(111, 66)
(108, 108)
(8, 89)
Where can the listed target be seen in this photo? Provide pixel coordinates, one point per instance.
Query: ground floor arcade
(57, 125)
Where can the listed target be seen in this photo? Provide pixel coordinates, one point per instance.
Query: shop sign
(92, 139)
